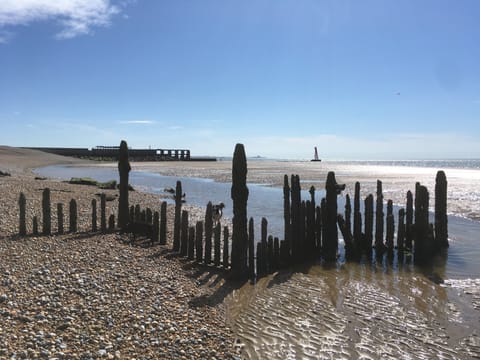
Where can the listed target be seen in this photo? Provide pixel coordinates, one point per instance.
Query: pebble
(87, 297)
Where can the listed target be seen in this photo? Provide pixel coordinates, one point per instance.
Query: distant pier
(111, 152)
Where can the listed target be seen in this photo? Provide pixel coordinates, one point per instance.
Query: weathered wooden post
(401, 230)
(318, 230)
(123, 170)
(60, 218)
(302, 241)
(208, 233)
(295, 213)
(94, 215)
(323, 213)
(310, 230)
(191, 243)
(73, 216)
(348, 213)
(217, 233)
(368, 223)
(357, 218)
(264, 243)
(199, 241)
(103, 215)
(409, 222)
(270, 254)
(111, 223)
(251, 249)
(163, 223)
(441, 218)
(22, 203)
(350, 250)
(149, 216)
(286, 216)
(225, 247)
(330, 242)
(390, 233)
(260, 260)
(276, 253)
(156, 227)
(46, 213)
(379, 220)
(184, 234)
(347, 231)
(177, 220)
(35, 225)
(131, 217)
(423, 246)
(239, 194)
(138, 213)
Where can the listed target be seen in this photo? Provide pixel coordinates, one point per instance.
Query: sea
(374, 309)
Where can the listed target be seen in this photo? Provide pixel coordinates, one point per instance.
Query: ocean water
(367, 310)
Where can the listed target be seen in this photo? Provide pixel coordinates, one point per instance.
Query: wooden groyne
(111, 153)
(311, 230)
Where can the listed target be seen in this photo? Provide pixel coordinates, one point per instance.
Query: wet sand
(364, 311)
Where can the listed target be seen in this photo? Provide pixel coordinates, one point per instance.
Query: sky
(372, 79)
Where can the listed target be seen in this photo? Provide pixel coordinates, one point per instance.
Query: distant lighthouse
(315, 156)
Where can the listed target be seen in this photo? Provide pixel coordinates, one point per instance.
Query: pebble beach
(88, 295)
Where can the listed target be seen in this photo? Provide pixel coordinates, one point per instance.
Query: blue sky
(358, 79)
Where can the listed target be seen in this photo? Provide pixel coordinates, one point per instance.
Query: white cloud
(77, 17)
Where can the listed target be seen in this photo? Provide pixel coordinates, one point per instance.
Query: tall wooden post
(208, 233)
(94, 215)
(441, 218)
(330, 242)
(401, 230)
(286, 216)
(409, 222)
(379, 220)
(217, 233)
(103, 215)
(368, 223)
(251, 249)
(46, 213)
(22, 203)
(73, 216)
(177, 220)
(191, 243)
(225, 256)
(60, 218)
(390, 233)
(357, 218)
(123, 170)
(184, 233)
(239, 194)
(163, 223)
(199, 241)
(296, 206)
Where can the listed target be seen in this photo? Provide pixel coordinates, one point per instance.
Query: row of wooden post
(310, 230)
(195, 242)
(106, 225)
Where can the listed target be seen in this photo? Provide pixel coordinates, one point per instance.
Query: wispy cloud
(137, 122)
(77, 17)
